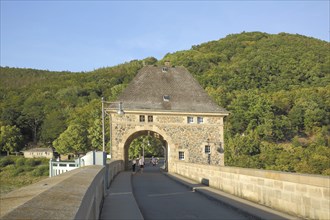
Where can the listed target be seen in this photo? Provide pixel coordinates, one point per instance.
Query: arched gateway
(168, 103)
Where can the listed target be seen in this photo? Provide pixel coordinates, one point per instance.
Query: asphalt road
(159, 197)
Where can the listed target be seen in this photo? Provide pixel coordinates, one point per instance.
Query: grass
(17, 171)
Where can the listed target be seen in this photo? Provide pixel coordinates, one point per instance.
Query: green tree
(72, 140)
(32, 115)
(53, 125)
(95, 135)
(10, 139)
(151, 146)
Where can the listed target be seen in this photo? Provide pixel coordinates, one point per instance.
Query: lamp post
(120, 112)
(143, 152)
(103, 129)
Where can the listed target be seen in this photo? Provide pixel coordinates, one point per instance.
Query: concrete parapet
(302, 195)
(77, 194)
(112, 170)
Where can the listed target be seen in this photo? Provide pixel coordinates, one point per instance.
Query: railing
(59, 167)
(91, 158)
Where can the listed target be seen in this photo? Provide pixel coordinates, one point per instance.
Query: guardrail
(91, 158)
(59, 167)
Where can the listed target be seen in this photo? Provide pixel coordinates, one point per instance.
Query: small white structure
(39, 153)
(91, 158)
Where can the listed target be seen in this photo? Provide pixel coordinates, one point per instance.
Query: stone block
(301, 188)
(289, 187)
(269, 183)
(306, 201)
(278, 184)
(261, 182)
(325, 205)
(315, 192)
(297, 199)
(326, 193)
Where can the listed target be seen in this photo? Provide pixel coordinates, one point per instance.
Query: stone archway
(141, 131)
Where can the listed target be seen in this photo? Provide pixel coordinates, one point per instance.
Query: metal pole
(110, 128)
(103, 130)
(50, 168)
(164, 156)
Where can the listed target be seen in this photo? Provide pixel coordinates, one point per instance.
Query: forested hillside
(277, 88)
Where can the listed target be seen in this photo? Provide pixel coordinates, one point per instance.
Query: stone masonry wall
(180, 135)
(306, 196)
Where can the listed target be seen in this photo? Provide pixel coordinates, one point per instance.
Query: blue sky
(86, 35)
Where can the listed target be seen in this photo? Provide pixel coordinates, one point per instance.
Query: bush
(20, 162)
(32, 162)
(5, 161)
(42, 170)
(17, 171)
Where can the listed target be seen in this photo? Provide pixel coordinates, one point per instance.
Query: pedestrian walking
(133, 165)
(153, 161)
(141, 164)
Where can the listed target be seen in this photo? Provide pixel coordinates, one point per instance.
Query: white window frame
(207, 149)
(190, 120)
(181, 155)
(142, 118)
(200, 120)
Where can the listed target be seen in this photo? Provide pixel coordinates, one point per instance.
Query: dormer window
(165, 69)
(166, 98)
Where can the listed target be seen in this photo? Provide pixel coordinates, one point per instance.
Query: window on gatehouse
(150, 118)
(142, 118)
(190, 120)
(181, 155)
(207, 149)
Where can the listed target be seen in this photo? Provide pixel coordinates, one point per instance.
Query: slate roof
(147, 90)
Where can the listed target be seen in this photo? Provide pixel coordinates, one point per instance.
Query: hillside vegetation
(16, 172)
(276, 87)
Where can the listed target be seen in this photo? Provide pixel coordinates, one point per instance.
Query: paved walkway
(120, 202)
(158, 195)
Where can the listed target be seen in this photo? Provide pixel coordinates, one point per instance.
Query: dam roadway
(156, 195)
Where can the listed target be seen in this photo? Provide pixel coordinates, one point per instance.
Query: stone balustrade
(306, 196)
(77, 194)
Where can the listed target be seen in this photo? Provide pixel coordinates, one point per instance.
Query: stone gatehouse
(169, 104)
